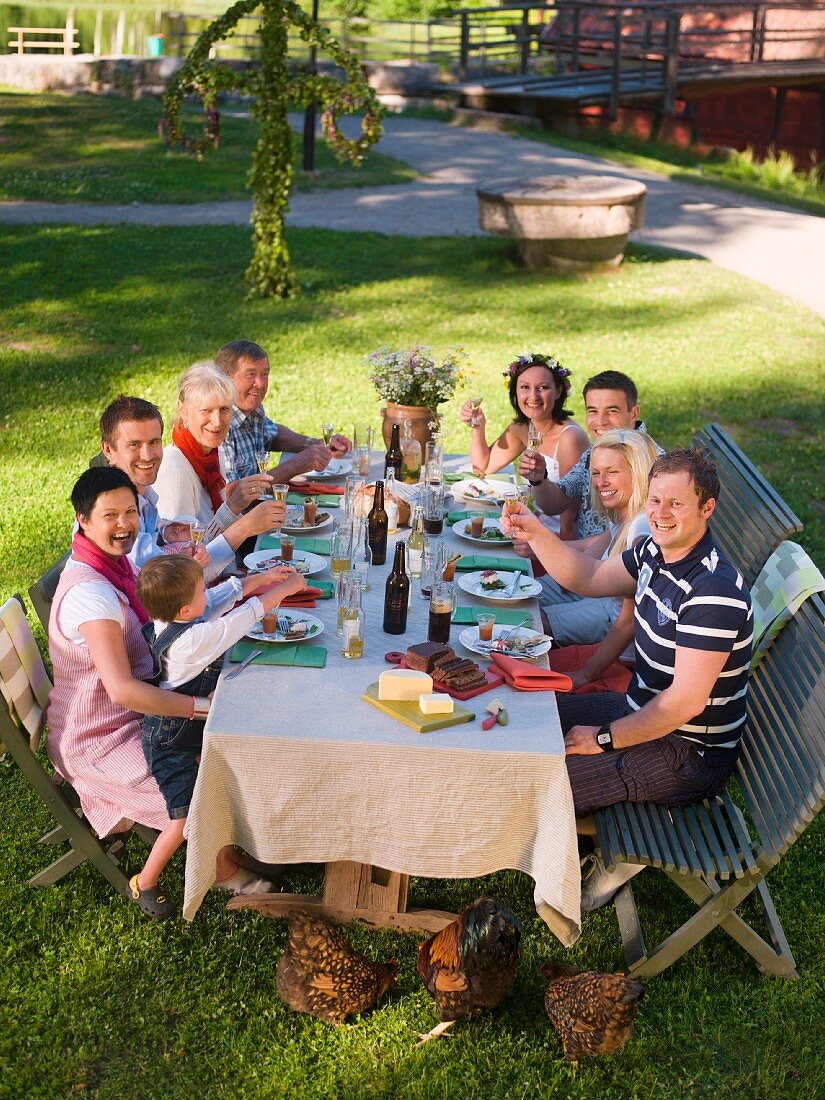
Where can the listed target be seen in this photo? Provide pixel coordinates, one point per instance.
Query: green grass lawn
(97, 1001)
(95, 149)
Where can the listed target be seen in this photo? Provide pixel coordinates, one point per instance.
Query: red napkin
(314, 488)
(616, 677)
(524, 677)
(306, 598)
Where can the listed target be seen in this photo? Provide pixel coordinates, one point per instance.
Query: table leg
(354, 892)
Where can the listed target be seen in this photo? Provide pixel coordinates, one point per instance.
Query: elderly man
(610, 401)
(131, 438)
(675, 737)
(252, 432)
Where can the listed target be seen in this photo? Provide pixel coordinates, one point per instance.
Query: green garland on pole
(274, 89)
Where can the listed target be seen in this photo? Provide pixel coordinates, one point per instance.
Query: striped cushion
(24, 681)
(787, 579)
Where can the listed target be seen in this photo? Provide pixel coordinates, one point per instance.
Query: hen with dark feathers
(321, 974)
(593, 1013)
(471, 964)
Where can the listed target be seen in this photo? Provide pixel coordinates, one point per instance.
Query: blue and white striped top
(700, 602)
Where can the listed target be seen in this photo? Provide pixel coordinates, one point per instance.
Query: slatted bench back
(751, 518)
(782, 768)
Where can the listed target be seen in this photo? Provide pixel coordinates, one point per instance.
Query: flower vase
(420, 416)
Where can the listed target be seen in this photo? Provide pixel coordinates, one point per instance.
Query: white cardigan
(180, 493)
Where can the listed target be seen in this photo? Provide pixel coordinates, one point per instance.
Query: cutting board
(494, 679)
(409, 712)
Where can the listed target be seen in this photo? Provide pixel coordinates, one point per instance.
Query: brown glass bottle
(394, 456)
(397, 594)
(377, 526)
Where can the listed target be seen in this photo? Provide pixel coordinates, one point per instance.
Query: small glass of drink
(270, 622)
(442, 604)
(475, 419)
(486, 621)
(477, 524)
(197, 533)
(310, 511)
(341, 550)
(434, 508)
(287, 548)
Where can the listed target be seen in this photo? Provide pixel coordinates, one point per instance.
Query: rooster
(471, 964)
(319, 972)
(593, 1013)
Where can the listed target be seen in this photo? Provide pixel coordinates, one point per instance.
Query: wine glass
(327, 431)
(262, 459)
(279, 492)
(197, 533)
(534, 437)
(475, 419)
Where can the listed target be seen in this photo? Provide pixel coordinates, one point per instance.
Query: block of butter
(403, 684)
(436, 703)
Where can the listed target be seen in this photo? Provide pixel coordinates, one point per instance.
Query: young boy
(192, 630)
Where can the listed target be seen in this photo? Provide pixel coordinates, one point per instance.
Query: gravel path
(772, 244)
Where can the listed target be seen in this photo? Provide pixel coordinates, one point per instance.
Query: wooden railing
(62, 38)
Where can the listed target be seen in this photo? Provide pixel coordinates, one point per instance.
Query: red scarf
(117, 571)
(207, 467)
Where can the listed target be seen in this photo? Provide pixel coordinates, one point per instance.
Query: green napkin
(505, 616)
(325, 500)
(488, 561)
(309, 545)
(327, 588)
(457, 516)
(305, 656)
(451, 478)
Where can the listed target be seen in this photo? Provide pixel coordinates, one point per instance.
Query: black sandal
(151, 900)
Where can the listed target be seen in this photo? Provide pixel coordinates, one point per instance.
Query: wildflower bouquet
(412, 376)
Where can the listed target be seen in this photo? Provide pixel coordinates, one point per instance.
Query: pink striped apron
(91, 741)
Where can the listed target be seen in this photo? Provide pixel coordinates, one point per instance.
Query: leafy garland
(274, 89)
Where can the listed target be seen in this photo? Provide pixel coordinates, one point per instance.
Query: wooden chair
(709, 850)
(24, 690)
(751, 518)
(42, 591)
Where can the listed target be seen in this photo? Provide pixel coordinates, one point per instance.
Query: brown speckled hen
(321, 974)
(593, 1013)
(471, 964)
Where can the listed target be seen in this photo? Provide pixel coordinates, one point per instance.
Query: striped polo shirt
(700, 602)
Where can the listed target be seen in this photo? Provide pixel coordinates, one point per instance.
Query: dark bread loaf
(423, 656)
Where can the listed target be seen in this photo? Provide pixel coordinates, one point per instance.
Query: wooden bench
(710, 850)
(751, 518)
(60, 38)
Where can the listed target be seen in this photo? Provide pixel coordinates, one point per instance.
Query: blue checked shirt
(248, 434)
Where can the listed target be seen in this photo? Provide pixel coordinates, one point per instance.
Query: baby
(192, 630)
(176, 534)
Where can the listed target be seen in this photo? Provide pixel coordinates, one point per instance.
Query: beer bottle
(394, 456)
(377, 523)
(397, 594)
(415, 543)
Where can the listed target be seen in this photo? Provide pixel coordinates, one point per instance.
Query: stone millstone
(566, 223)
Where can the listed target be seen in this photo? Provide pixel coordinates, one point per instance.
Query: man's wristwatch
(604, 739)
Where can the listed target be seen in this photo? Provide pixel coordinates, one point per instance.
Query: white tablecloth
(297, 767)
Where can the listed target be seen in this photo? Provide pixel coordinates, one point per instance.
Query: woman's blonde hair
(639, 452)
(204, 381)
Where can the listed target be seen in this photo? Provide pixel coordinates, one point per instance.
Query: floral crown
(536, 359)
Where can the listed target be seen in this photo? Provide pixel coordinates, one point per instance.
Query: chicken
(319, 972)
(593, 1013)
(471, 964)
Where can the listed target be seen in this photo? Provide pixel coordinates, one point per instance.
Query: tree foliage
(274, 87)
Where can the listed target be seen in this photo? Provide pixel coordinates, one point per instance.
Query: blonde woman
(619, 465)
(192, 480)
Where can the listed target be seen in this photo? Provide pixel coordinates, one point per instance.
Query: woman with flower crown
(538, 386)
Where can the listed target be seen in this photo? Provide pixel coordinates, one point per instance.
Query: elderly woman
(538, 386)
(101, 661)
(191, 479)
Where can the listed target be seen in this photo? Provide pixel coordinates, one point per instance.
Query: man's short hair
(227, 358)
(97, 480)
(699, 468)
(613, 380)
(166, 584)
(126, 408)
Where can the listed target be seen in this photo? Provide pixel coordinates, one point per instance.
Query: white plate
(462, 528)
(338, 467)
(306, 564)
(297, 513)
(314, 627)
(469, 639)
(489, 492)
(527, 587)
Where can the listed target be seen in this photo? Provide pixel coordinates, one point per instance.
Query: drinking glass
(476, 524)
(520, 495)
(534, 438)
(341, 550)
(287, 548)
(279, 492)
(433, 508)
(310, 511)
(442, 605)
(475, 419)
(197, 533)
(352, 487)
(434, 460)
(486, 621)
(363, 456)
(363, 435)
(327, 431)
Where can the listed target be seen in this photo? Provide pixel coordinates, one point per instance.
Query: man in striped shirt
(674, 738)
